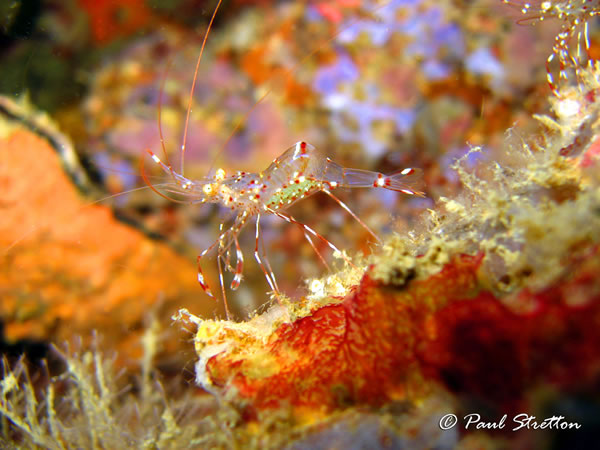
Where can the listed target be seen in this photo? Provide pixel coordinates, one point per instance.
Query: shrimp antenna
(162, 138)
(151, 186)
(189, 108)
(160, 97)
(287, 74)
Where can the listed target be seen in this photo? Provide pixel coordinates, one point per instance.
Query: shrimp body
(301, 171)
(298, 173)
(576, 15)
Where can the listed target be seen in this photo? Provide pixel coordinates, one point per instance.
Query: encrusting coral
(493, 300)
(499, 284)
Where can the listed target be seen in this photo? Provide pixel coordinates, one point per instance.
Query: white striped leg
(239, 266)
(268, 264)
(290, 219)
(201, 279)
(550, 77)
(314, 247)
(225, 252)
(269, 276)
(220, 266)
(349, 211)
(225, 240)
(227, 260)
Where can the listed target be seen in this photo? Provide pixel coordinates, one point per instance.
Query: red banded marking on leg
(550, 77)
(239, 267)
(201, 279)
(158, 161)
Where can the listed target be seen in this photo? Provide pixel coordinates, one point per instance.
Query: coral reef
(391, 85)
(341, 354)
(487, 305)
(68, 266)
(494, 299)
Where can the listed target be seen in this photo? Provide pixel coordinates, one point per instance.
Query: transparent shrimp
(575, 15)
(302, 170)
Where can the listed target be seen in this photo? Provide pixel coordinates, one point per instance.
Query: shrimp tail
(408, 181)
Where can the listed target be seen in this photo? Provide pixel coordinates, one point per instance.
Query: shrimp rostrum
(302, 170)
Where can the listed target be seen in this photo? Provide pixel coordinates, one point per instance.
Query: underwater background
(474, 322)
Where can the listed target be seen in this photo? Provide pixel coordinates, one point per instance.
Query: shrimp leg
(343, 205)
(290, 219)
(270, 276)
(314, 247)
(239, 266)
(201, 278)
(268, 264)
(220, 267)
(229, 235)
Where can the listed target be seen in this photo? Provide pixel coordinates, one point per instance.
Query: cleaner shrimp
(301, 171)
(575, 15)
